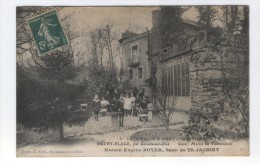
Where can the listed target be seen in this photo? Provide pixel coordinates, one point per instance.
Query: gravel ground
(93, 127)
(104, 124)
(84, 139)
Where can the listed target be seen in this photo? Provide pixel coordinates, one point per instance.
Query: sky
(85, 19)
(135, 19)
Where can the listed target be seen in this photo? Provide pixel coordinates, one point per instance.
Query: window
(164, 80)
(187, 79)
(135, 54)
(183, 79)
(171, 81)
(140, 73)
(179, 80)
(130, 74)
(175, 80)
(169, 88)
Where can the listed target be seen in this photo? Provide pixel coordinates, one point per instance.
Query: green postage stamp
(47, 32)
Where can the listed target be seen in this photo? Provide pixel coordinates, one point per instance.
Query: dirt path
(79, 141)
(81, 144)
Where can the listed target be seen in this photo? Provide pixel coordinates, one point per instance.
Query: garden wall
(214, 71)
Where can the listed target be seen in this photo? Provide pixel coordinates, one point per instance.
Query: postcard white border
(8, 83)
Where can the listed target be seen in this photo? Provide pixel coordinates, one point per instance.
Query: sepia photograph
(132, 81)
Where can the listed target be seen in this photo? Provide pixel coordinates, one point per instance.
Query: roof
(193, 23)
(133, 37)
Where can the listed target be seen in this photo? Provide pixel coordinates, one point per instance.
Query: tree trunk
(61, 131)
(245, 21)
(227, 13)
(208, 20)
(167, 126)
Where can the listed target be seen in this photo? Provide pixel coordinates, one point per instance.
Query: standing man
(112, 106)
(143, 104)
(96, 107)
(116, 94)
(132, 104)
(141, 93)
(120, 108)
(135, 92)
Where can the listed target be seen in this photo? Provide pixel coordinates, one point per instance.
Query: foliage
(237, 109)
(102, 80)
(163, 102)
(103, 49)
(170, 22)
(125, 86)
(43, 104)
(24, 40)
(55, 66)
(153, 80)
(206, 16)
(231, 19)
(235, 19)
(46, 94)
(245, 20)
(25, 46)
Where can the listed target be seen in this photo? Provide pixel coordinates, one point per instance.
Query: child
(127, 104)
(104, 106)
(120, 108)
(96, 107)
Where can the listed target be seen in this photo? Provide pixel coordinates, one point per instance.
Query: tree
(245, 20)
(162, 101)
(235, 19)
(47, 98)
(46, 94)
(108, 39)
(24, 40)
(206, 16)
(169, 24)
(231, 18)
(102, 80)
(170, 21)
(103, 49)
(46, 103)
(238, 110)
(25, 46)
(245, 31)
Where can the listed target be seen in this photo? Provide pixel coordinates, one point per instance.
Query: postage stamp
(47, 31)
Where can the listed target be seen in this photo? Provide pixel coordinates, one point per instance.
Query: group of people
(132, 103)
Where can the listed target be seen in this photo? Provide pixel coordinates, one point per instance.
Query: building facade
(173, 62)
(136, 68)
(201, 68)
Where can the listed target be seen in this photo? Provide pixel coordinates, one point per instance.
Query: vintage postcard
(132, 81)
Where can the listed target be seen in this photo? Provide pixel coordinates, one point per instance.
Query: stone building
(200, 68)
(216, 69)
(173, 62)
(135, 60)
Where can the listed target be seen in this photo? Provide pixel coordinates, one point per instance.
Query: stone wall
(214, 71)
